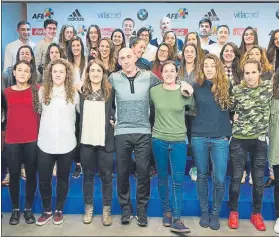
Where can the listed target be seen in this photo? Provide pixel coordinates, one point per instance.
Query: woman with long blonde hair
(211, 129)
(96, 137)
(56, 140)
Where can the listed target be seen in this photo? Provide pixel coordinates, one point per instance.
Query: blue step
(190, 206)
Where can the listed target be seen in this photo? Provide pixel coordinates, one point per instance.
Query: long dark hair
(270, 53)
(32, 62)
(88, 41)
(183, 61)
(47, 57)
(200, 50)
(242, 47)
(236, 71)
(71, 55)
(156, 62)
(276, 84)
(32, 82)
(175, 47)
(123, 45)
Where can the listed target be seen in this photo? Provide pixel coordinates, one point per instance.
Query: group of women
(232, 108)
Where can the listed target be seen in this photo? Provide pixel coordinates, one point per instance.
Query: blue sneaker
(204, 220)
(179, 227)
(167, 219)
(214, 223)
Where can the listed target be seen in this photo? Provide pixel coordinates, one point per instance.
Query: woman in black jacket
(96, 137)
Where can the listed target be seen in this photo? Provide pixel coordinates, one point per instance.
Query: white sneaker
(193, 173)
(244, 177)
(276, 227)
(250, 179)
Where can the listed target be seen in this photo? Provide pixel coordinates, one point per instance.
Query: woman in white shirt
(96, 137)
(56, 141)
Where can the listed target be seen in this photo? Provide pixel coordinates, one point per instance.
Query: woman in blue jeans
(168, 141)
(210, 129)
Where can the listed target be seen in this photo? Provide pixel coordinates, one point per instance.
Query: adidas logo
(212, 15)
(75, 16)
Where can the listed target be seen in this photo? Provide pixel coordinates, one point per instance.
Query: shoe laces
(58, 213)
(167, 214)
(233, 216)
(258, 219)
(180, 223)
(106, 213)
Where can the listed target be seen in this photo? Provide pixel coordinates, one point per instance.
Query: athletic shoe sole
(58, 222)
(180, 231)
(140, 224)
(44, 222)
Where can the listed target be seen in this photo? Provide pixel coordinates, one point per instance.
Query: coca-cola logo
(38, 31)
(106, 32)
(180, 31)
(239, 31)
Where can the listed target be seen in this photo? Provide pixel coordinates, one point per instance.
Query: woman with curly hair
(249, 39)
(250, 101)
(259, 54)
(164, 53)
(273, 156)
(21, 137)
(230, 57)
(211, 128)
(273, 49)
(93, 37)
(118, 40)
(96, 137)
(67, 32)
(106, 55)
(26, 53)
(56, 140)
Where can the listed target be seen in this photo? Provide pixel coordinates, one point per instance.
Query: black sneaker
(29, 217)
(14, 220)
(142, 217)
(127, 215)
(77, 172)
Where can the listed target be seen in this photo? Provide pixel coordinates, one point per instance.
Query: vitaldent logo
(246, 15)
(109, 15)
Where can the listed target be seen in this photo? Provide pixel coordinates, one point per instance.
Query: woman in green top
(274, 145)
(168, 141)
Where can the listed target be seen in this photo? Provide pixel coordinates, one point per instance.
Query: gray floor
(73, 226)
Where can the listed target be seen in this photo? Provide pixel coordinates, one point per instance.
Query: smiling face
(58, 74)
(104, 49)
(24, 32)
(139, 48)
(117, 38)
(169, 74)
(228, 54)
(76, 48)
(163, 52)
(22, 73)
(128, 27)
(190, 54)
(249, 37)
(50, 31)
(251, 75)
(255, 53)
(192, 39)
(209, 68)
(222, 35)
(95, 73)
(54, 53)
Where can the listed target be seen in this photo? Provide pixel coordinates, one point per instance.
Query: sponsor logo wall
(185, 17)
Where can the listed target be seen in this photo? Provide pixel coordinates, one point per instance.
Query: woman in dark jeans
(251, 100)
(56, 140)
(21, 137)
(96, 137)
(210, 129)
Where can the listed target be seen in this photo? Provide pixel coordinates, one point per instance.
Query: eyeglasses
(163, 51)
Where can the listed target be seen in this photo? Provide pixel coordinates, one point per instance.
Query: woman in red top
(21, 137)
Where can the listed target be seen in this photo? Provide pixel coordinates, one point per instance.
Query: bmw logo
(277, 14)
(142, 14)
